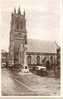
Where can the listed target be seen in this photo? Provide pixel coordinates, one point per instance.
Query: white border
(61, 36)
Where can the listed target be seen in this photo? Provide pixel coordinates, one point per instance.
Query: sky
(42, 19)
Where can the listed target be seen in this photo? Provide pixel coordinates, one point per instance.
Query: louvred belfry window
(17, 25)
(21, 24)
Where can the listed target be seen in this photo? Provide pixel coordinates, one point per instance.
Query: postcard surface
(30, 47)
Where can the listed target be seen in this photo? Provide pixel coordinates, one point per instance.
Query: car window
(25, 67)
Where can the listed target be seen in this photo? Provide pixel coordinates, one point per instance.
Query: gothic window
(51, 61)
(17, 25)
(29, 60)
(21, 25)
(51, 58)
(43, 60)
(25, 39)
(48, 65)
(38, 60)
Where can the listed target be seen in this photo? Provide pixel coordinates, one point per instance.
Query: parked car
(25, 69)
(41, 70)
(15, 67)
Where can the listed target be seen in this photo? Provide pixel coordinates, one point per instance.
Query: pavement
(28, 84)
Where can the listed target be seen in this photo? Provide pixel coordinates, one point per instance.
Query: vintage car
(41, 70)
(25, 69)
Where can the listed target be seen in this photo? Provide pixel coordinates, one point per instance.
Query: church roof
(34, 45)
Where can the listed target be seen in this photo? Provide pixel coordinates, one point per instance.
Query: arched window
(21, 24)
(51, 61)
(51, 58)
(38, 60)
(17, 24)
(48, 65)
(43, 60)
(29, 60)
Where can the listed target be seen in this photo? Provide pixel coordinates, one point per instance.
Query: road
(28, 84)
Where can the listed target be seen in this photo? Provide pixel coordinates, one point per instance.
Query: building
(4, 58)
(29, 52)
(41, 52)
(18, 38)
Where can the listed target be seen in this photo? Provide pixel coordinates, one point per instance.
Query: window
(38, 60)
(17, 24)
(29, 60)
(51, 59)
(43, 60)
(51, 62)
(3, 60)
(21, 25)
(25, 67)
(48, 65)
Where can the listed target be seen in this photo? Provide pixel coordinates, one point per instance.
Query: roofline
(57, 44)
(40, 53)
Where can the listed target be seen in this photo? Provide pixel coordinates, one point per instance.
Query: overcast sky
(42, 18)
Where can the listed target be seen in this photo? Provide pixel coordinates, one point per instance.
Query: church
(25, 51)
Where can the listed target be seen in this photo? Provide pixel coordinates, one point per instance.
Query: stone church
(25, 51)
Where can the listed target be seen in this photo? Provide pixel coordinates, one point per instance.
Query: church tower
(18, 38)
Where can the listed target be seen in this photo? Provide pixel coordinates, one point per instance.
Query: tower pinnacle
(19, 12)
(24, 12)
(14, 11)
